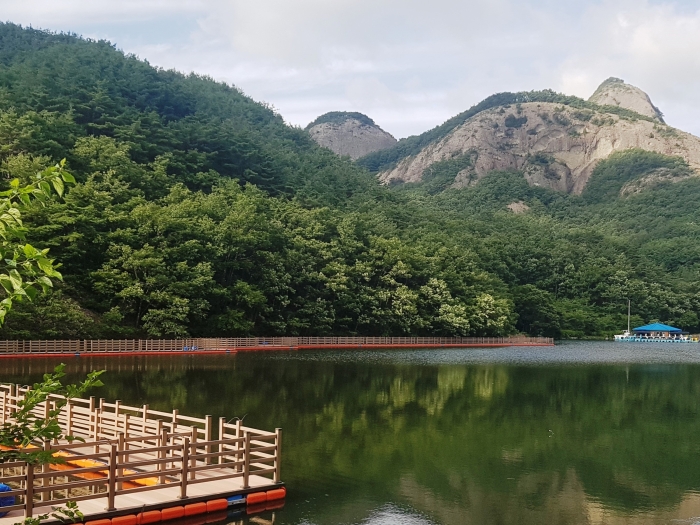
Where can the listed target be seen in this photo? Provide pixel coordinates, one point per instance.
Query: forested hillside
(198, 211)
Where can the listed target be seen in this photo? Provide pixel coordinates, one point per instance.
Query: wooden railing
(204, 344)
(134, 449)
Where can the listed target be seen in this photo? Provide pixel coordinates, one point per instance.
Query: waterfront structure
(135, 465)
(655, 333)
(75, 347)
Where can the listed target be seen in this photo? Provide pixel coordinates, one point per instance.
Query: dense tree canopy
(198, 211)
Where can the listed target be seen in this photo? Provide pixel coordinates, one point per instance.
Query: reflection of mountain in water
(460, 443)
(539, 498)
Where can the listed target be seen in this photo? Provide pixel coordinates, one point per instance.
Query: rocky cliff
(555, 145)
(614, 92)
(352, 134)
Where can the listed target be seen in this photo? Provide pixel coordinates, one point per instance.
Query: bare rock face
(614, 92)
(352, 134)
(518, 207)
(555, 146)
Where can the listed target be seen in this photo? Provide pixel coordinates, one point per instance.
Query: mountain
(556, 145)
(614, 92)
(347, 133)
(198, 211)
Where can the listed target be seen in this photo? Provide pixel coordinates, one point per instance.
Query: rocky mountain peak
(349, 133)
(615, 92)
(555, 143)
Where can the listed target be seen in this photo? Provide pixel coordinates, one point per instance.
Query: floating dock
(139, 466)
(117, 347)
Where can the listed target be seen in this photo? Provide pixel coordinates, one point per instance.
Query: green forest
(198, 212)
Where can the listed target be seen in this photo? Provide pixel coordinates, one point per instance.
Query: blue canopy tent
(657, 327)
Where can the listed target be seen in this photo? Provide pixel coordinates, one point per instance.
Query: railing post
(222, 448)
(44, 469)
(111, 488)
(238, 446)
(13, 400)
(120, 448)
(4, 407)
(185, 468)
(246, 462)
(69, 418)
(96, 429)
(193, 461)
(207, 437)
(29, 491)
(278, 454)
(162, 454)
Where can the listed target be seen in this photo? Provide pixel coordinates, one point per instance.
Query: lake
(579, 433)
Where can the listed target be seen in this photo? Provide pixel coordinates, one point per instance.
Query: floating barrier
(116, 347)
(256, 502)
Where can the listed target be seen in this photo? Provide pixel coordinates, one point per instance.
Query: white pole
(629, 310)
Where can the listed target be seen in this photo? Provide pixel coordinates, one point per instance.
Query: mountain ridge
(198, 212)
(554, 139)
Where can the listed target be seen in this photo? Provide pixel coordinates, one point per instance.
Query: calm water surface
(582, 433)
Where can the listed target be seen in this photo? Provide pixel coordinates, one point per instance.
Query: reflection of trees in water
(466, 434)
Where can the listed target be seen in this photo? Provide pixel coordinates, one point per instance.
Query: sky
(408, 64)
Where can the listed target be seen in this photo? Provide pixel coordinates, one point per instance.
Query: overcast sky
(407, 64)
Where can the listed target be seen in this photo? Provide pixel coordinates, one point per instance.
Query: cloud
(51, 13)
(409, 64)
(649, 45)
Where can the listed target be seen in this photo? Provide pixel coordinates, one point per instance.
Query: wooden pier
(21, 348)
(135, 460)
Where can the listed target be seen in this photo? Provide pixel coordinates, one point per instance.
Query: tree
(25, 271)
(537, 314)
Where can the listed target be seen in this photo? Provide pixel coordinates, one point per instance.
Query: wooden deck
(158, 499)
(134, 459)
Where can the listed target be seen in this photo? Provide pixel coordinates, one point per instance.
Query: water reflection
(448, 437)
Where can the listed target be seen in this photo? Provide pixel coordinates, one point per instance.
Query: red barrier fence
(96, 346)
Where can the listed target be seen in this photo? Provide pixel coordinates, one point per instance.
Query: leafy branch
(24, 270)
(27, 429)
(68, 514)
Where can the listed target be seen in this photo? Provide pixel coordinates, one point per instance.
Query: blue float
(6, 501)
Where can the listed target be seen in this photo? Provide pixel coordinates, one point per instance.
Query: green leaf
(30, 251)
(31, 292)
(45, 281)
(46, 266)
(6, 283)
(16, 280)
(58, 186)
